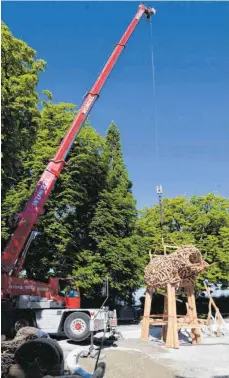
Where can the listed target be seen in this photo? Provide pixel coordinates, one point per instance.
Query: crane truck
(45, 305)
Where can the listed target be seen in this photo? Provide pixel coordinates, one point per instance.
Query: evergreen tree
(64, 228)
(112, 227)
(19, 113)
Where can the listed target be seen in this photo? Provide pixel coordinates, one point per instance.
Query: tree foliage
(63, 230)
(20, 114)
(112, 227)
(202, 221)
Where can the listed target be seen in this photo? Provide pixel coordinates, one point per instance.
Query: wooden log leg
(169, 336)
(165, 318)
(189, 297)
(174, 319)
(195, 332)
(147, 308)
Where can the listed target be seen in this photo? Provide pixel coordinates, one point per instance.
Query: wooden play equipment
(172, 273)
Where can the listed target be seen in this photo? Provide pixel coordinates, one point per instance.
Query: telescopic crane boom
(12, 260)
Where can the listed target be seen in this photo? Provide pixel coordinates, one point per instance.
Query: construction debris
(8, 348)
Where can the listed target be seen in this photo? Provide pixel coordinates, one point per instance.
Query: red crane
(14, 253)
(47, 305)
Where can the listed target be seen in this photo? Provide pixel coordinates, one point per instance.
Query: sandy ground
(132, 357)
(129, 364)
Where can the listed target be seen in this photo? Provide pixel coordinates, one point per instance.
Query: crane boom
(35, 206)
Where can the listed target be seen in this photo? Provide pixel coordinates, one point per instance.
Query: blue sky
(191, 53)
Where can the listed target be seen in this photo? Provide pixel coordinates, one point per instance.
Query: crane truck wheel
(77, 326)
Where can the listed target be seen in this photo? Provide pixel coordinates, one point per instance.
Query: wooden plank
(189, 325)
(174, 319)
(169, 336)
(165, 318)
(157, 323)
(195, 332)
(197, 329)
(145, 322)
(190, 312)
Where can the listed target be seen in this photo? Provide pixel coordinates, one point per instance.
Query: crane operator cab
(69, 289)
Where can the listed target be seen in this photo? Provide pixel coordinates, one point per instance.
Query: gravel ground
(208, 360)
(132, 357)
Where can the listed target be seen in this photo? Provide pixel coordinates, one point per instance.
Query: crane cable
(155, 121)
(154, 91)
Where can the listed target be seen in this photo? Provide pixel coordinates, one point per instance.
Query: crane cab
(69, 290)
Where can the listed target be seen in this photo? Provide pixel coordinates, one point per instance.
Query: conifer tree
(19, 113)
(112, 227)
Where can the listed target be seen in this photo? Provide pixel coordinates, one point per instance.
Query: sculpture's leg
(147, 308)
(169, 336)
(172, 332)
(174, 319)
(165, 317)
(195, 332)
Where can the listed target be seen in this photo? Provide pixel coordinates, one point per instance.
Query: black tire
(57, 346)
(82, 320)
(47, 355)
(61, 353)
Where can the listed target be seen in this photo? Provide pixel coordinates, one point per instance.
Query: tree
(202, 221)
(20, 113)
(112, 227)
(64, 228)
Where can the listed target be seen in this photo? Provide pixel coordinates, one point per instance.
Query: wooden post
(147, 308)
(189, 294)
(169, 336)
(165, 317)
(172, 333)
(195, 332)
(174, 319)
